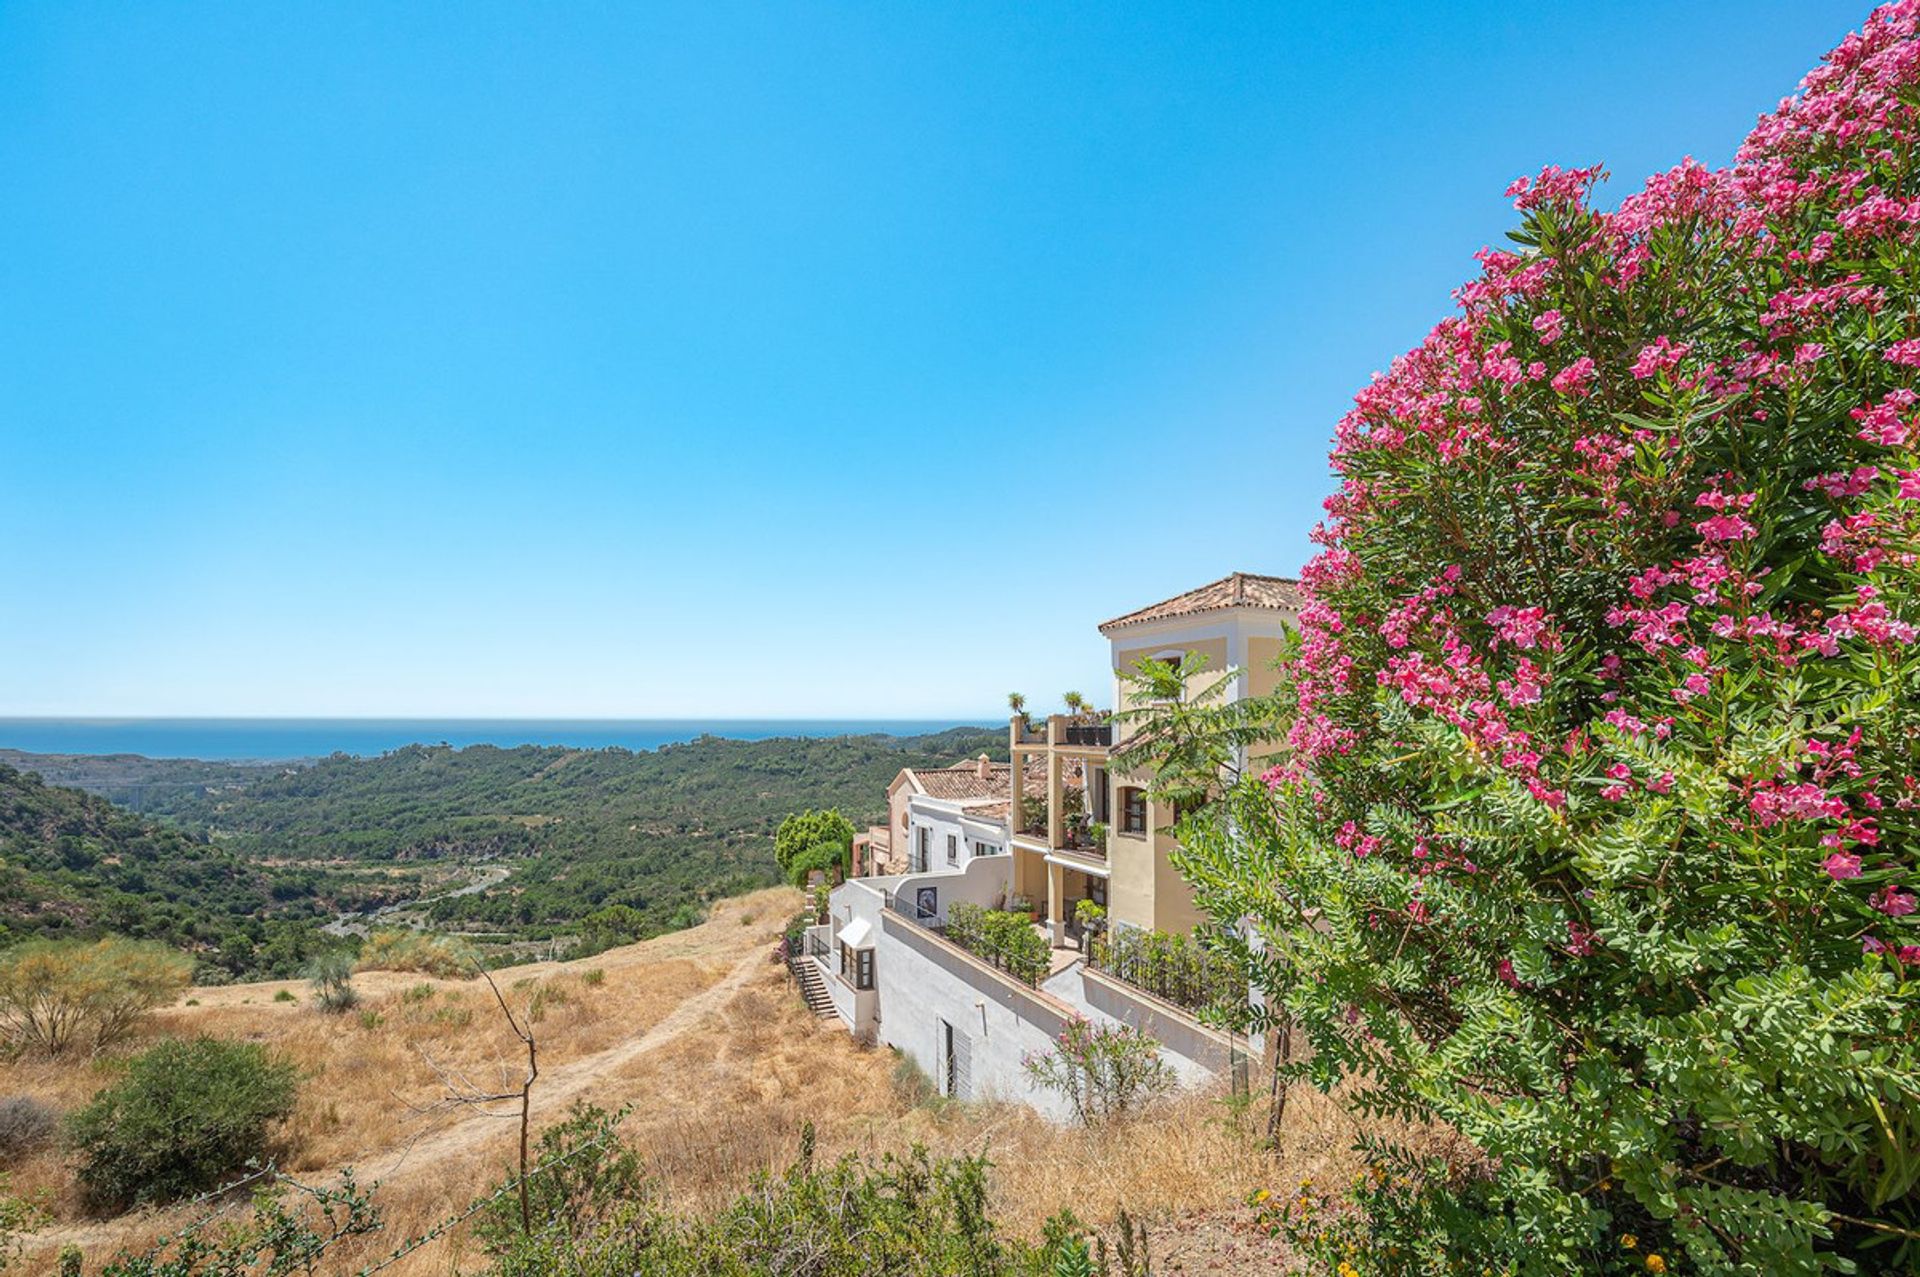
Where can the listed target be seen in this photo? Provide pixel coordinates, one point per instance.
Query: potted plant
(1097, 831)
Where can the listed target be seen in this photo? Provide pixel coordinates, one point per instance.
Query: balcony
(1063, 731)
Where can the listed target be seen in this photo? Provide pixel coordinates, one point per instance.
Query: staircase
(813, 986)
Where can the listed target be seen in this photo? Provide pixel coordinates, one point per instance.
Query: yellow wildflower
(1655, 1264)
(1629, 1240)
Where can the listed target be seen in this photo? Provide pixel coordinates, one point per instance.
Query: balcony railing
(1087, 734)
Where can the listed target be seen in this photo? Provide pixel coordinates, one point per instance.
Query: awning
(856, 934)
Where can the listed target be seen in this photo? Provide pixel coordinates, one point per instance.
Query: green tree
(331, 978)
(188, 1115)
(807, 829)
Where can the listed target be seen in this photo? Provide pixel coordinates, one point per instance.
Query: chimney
(984, 768)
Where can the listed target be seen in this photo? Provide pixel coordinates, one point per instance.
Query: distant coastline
(234, 740)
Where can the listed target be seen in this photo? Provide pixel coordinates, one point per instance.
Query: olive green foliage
(1007, 939)
(904, 1216)
(1106, 1072)
(803, 831)
(59, 995)
(186, 1116)
(331, 977)
(75, 866)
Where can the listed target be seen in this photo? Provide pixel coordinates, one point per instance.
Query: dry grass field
(701, 1034)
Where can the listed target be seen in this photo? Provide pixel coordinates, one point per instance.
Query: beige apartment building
(1238, 623)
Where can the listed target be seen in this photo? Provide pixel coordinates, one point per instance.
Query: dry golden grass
(701, 1034)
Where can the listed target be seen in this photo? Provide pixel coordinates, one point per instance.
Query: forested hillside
(73, 864)
(658, 833)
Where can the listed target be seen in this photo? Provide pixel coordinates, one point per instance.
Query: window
(1133, 811)
(953, 849)
(986, 849)
(1097, 890)
(926, 843)
(856, 966)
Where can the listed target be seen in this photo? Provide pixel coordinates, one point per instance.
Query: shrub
(26, 1124)
(1597, 840)
(285, 995)
(1105, 1071)
(1006, 939)
(827, 858)
(331, 977)
(587, 1177)
(593, 977)
(187, 1116)
(432, 955)
(57, 994)
(17, 1216)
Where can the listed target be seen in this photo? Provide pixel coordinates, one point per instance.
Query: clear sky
(666, 360)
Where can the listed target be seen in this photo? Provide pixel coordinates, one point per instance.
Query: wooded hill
(659, 833)
(73, 864)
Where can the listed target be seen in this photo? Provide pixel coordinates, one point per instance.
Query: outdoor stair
(813, 987)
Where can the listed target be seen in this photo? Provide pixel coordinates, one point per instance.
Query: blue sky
(712, 359)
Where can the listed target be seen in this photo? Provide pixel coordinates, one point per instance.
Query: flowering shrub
(1596, 841)
(1105, 1071)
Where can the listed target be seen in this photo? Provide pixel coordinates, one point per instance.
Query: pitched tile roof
(1242, 589)
(964, 781)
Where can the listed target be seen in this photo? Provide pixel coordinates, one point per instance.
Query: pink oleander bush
(1596, 839)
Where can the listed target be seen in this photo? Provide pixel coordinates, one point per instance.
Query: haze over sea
(276, 739)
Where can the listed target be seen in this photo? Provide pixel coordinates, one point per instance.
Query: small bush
(371, 1019)
(1106, 1072)
(432, 955)
(58, 994)
(285, 995)
(331, 975)
(26, 1124)
(188, 1116)
(417, 992)
(593, 978)
(589, 1178)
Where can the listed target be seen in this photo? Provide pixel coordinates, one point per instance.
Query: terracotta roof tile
(1242, 589)
(964, 781)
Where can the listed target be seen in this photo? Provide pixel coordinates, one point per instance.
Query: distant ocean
(275, 739)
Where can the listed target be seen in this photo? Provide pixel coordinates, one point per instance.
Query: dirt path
(468, 1132)
(465, 1133)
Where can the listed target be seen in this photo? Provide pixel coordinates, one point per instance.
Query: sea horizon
(276, 739)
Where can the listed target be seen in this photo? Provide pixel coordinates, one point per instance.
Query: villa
(1057, 825)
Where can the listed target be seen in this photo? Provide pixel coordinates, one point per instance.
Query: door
(955, 1055)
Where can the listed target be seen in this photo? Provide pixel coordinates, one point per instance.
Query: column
(1057, 903)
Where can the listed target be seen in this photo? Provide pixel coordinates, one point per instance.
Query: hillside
(74, 864)
(703, 1035)
(659, 833)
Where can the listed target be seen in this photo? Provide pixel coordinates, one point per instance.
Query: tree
(806, 829)
(58, 994)
(1597, 838)
(187, 1115)
(331, 978)
(1076, 703)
